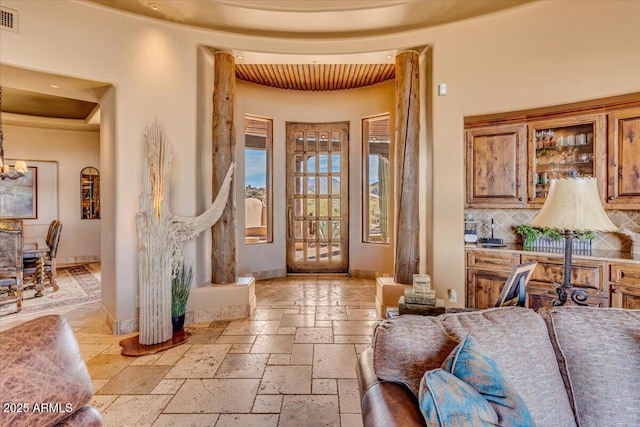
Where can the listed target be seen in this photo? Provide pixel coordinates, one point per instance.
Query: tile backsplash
(506, 221)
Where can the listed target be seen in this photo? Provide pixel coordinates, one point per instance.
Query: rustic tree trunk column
(407, 129)
(223, 254)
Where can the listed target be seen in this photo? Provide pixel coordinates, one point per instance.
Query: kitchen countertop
(596, 254)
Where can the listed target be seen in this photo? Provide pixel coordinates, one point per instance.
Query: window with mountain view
(376, 179)
(257, 179)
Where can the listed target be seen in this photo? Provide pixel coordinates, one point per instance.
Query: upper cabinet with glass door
(562, 147)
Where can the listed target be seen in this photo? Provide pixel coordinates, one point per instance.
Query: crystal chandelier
(20, 168)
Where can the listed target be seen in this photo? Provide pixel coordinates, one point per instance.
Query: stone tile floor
(291, 364)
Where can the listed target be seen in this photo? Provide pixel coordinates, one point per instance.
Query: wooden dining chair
(11, 270)
(53, 240)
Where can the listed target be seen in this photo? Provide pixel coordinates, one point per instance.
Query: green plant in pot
(180, 288)
(530, 234)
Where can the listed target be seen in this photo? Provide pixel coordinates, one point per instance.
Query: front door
(317, 197)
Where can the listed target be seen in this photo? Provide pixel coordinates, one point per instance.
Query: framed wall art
(18, 198)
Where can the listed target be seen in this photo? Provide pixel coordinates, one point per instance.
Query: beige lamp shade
(573, 204)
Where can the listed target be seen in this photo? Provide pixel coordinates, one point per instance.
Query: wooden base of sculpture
(132, 347)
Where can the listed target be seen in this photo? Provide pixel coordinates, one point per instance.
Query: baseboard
(120, 327)
(268, 274)
(366, 274)
(79, 259)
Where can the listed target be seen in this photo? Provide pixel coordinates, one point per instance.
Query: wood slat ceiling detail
(315, 77)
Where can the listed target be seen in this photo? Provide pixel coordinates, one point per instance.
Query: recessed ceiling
(315, 77)
(28, 103)
(311, 18)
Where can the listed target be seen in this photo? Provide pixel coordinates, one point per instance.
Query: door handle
(290, 222)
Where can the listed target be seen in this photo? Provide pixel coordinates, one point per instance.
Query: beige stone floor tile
(135, 380)
(351, 420)
(313, 335)
(98, 384)
(214, 396)
(331, 313)
(107, 366)
(310, 411)
(103, 401)
(288, 330)
(307, 320)
(273, 344)
(149, 359)
(302, 354)
(112, 349)
(349, 396)
(308, 309)
(89, 351)
(334, 361)
(137, 410)
(236, 339)
(362, 314)
(267, 404)
(352, 339)
(353, 327)
(240, 348)
(168, 386)
(252, 327)
(324, 386)
(204, 336)
(242, 366)
(268, 314)
(324, 324)
(171, 356)
(286, 380)
(279, 359)
(200, 361)
(186, 420)
(247, 420)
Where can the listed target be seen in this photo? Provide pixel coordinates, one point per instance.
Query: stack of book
(421, 300)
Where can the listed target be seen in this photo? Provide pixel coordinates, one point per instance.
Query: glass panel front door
(317, 202)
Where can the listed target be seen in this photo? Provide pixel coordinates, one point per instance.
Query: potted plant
(532, 237)
(180, 288)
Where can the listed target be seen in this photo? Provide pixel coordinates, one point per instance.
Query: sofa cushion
(448, 401)
(517, 339)
(599, 352)
(469, 363)
(42, 364)
(408, 346)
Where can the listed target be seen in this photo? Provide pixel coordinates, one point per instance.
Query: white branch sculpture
(162, 235)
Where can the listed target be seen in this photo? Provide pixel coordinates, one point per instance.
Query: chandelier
(20, 167)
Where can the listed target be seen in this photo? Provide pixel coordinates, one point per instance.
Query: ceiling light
(54, 86)
(389, 56)
(239, 57)
(153, 7)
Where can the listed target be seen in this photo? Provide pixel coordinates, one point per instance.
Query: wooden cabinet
(486, 275)
(625, 285)
(496, 166)
(623, 190)
(561, 146)
(591, 276)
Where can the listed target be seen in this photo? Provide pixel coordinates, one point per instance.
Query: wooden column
(407, 129)
(223, 254)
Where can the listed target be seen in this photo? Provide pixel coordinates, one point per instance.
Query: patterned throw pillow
(446, 401)
(467, 363)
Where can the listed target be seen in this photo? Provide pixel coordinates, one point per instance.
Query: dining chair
(11, 269)
(53, 239)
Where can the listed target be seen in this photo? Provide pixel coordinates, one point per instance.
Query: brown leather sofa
(43, 379)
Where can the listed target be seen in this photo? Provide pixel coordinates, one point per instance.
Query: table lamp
(572, 206)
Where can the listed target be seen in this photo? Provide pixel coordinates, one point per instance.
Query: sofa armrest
(384, 403)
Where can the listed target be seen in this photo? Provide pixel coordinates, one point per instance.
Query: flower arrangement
(531, 234)
(180, 288)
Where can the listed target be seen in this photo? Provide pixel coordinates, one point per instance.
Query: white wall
(285, 105)
(60, 155)
(507, 61)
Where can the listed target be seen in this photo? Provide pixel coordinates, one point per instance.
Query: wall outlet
(453, 295)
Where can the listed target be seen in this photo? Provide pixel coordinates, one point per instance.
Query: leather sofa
(43, 379)
(571, 365)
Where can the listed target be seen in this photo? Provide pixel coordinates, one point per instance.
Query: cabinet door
(483, 287)
(625, 297)
(496, 166)
(623, 191)
(561, 146)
